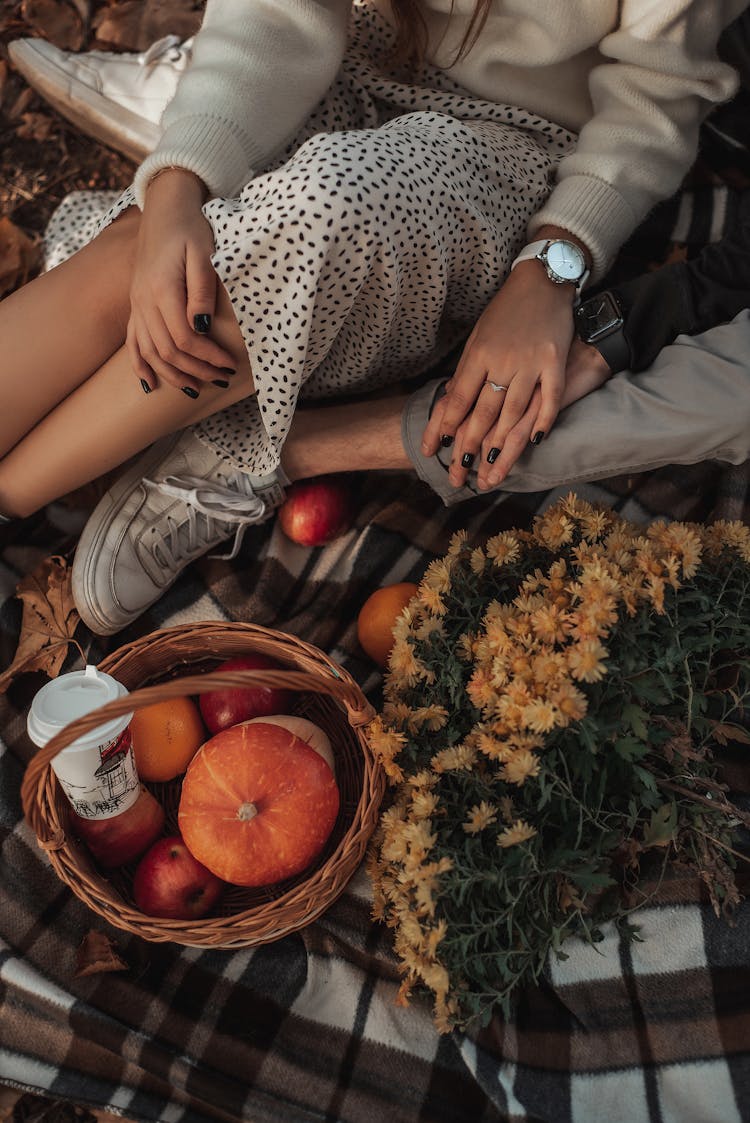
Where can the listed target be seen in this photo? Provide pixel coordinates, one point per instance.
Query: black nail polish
(202, 323)
(220, 382)
(227, 370)
(191, 393)
(145, 386)
(446, 440)
(492, 455)
(537, 437)
(467, 460)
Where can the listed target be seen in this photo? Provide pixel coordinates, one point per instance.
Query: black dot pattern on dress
(370, 245)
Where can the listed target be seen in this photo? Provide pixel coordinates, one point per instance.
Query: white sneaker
(116, 98)
(175, 503)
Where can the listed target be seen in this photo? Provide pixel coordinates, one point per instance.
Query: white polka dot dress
(373, 243)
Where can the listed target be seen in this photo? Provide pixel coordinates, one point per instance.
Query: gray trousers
(693, 404)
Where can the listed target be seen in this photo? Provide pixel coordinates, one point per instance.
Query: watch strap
(614, 349)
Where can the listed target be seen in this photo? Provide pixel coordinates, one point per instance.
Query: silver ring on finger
(494, 386)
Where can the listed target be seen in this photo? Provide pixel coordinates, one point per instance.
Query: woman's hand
(585, 371)
(520, 342)
(173, 283)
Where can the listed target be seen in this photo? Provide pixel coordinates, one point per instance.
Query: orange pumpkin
(257, 804)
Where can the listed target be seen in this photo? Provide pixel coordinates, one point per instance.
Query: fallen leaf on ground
(35, 126)
(49, 620)
(96, 954)
(55, 21)
(134, 25)
(18, 256)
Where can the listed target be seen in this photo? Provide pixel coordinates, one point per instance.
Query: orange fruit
(166, 737)
(377, 617)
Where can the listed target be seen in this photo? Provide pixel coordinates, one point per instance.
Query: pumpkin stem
(246, 812)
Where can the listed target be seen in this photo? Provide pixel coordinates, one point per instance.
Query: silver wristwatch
(564, 261)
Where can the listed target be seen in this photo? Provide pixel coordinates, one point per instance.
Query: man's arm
(688, 297)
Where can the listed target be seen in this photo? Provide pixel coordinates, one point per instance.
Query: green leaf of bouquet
(630, 748)
(635, 718)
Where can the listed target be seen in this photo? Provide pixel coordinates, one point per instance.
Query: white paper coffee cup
(97, 771)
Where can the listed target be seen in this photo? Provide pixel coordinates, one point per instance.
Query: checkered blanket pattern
(306, 1029)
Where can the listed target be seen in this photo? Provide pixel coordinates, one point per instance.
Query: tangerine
(378, 615)
(166, 737)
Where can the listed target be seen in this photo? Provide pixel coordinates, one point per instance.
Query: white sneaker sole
(88, 553)
(91, 112)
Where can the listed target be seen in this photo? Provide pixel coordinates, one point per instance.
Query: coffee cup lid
(71, 696)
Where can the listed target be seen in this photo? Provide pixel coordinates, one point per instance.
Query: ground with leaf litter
(42, 157)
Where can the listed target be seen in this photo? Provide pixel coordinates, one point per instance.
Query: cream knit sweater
(633, 77)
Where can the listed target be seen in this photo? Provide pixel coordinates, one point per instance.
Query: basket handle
(358, 709)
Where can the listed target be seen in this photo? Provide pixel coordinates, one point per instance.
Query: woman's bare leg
(70, 405)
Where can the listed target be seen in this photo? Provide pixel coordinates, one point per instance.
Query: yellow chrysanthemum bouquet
(553, 702)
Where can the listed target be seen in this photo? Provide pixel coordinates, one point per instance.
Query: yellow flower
(423, 804)
(480, 689)
(432, 600)
(503, 548)
(386, 744)
(493, 748)
(522, 766)
(553, 529)
(548, 667)
(428, 717)
(438, 576)
(519, 832)
(428, 627)
(571, 703)
(585, 660)
(457, 543)
(454, 759)
(595, 523)
(404, 665)
(477, 561)
(465, 646)
(540, 716)
(423, 779)
(549, 624)
(480, 816)
(733, 534)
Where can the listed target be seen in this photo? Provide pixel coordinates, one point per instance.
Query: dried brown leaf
(18, 256)
(724, 731)
(97, 955)
(49, 620)
(21, 104)
(56, 21)
(35, 126)
(134, 25)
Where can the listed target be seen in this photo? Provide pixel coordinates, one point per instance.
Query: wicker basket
(152, 668)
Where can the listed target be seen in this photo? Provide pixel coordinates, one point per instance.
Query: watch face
(566, 260)
(598, 317)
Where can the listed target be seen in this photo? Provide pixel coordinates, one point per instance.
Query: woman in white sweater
(341, 194)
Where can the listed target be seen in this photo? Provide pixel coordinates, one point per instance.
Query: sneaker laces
(162, 47)
(211, 510)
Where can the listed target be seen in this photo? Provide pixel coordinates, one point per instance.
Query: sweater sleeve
(258, 68)
(659, 77)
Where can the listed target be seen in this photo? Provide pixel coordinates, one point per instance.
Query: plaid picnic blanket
(305, 1029)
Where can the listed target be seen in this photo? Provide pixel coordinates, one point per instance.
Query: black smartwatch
(600, 322)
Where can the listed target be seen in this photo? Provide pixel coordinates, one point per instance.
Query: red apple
(222, 708)
(121, 839)
(170, 882)
(316, 510)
